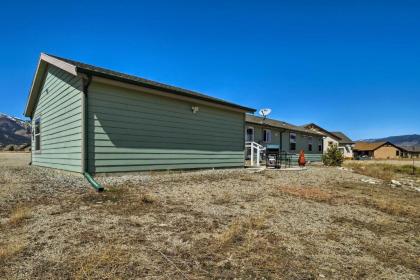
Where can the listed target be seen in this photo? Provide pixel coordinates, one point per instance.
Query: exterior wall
(131, 130)
(328, 141)
(347, 150)
(59, 107)
(386, 152)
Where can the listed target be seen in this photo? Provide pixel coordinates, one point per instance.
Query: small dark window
(292, 139)
(267, 136)
(319, 148)
(398, 153)
(310, 147)
(37, 134)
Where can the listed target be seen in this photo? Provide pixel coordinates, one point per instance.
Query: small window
(249, 134)
(293, 141)
(310, 139)
(267, 136)
(397, 153)
(320, 148)
(37, 134)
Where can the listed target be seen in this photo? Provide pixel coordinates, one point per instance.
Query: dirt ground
(319, 223)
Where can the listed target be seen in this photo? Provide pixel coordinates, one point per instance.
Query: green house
(280, 136)
(89, 119)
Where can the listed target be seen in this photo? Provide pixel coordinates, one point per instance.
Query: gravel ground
(319, 223)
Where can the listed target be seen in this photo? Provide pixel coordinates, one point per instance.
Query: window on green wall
(310, 139)
(267, 136)
(37, 134)
(292, 139)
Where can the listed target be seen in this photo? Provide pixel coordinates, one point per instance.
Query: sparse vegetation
(9, 250)
(384, 171)
(318, 223)
(19, 214)
(333, 156)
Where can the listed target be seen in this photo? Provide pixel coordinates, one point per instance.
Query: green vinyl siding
(59, 107)
(130, 130)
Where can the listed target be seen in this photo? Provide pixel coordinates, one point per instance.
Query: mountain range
(402, 140)
(14, 131)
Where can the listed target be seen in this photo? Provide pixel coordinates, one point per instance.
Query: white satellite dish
(265, 112)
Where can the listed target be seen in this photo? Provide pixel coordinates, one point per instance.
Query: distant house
(411, 151)
(344, 143)
(379, 150)
(90, 119)
(281, 136)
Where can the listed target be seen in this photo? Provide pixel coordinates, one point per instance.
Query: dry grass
(383, 171)
(7, 251)
(104, 263)
(222, 199)
(237, 231)
(311, 193)
(19, 215)
(312, 224)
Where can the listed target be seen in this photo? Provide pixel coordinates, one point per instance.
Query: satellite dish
(265, 112)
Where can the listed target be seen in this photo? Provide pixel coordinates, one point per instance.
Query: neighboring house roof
(75, 68)
(343, 137)
(279, 124)
(368, 146)
(415, 149)
(315, 127)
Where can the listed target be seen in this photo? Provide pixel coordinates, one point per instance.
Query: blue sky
(352, 66)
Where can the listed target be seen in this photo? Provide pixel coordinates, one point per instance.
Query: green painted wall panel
(136, 131)
(59, 106)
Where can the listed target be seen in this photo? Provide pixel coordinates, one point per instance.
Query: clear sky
(352, 66)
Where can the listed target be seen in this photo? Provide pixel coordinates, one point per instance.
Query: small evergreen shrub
(333, 157)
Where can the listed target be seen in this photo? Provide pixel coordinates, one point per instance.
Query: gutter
(85, 151)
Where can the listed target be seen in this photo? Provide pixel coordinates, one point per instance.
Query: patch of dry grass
(10, 250)
(19, 215)
(222, 199)
(383, 171)
(311, 193)
(104, 263)
(236, 232)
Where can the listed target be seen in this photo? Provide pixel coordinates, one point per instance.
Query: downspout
(85, 164)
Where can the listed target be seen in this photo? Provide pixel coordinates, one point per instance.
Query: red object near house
(302, 160)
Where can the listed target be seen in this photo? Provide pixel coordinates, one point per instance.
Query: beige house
(344, 143)
(379, 150)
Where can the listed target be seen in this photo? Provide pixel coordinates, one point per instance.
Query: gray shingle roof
(114, 75)
(344, 138)
(280, 124)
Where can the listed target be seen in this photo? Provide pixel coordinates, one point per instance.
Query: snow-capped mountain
(14, 130)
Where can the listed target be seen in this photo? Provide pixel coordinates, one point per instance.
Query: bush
(333, 157)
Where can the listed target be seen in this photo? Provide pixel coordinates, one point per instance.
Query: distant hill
(14, 131)
(402, 140)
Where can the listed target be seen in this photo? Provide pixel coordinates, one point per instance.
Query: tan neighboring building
(379, 150)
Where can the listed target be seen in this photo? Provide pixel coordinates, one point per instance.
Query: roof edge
(44, 59)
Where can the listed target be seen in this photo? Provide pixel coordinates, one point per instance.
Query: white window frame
(267, 135)
(37, 135)
(246, 133)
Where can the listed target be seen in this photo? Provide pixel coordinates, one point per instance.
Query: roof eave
(43, 61)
